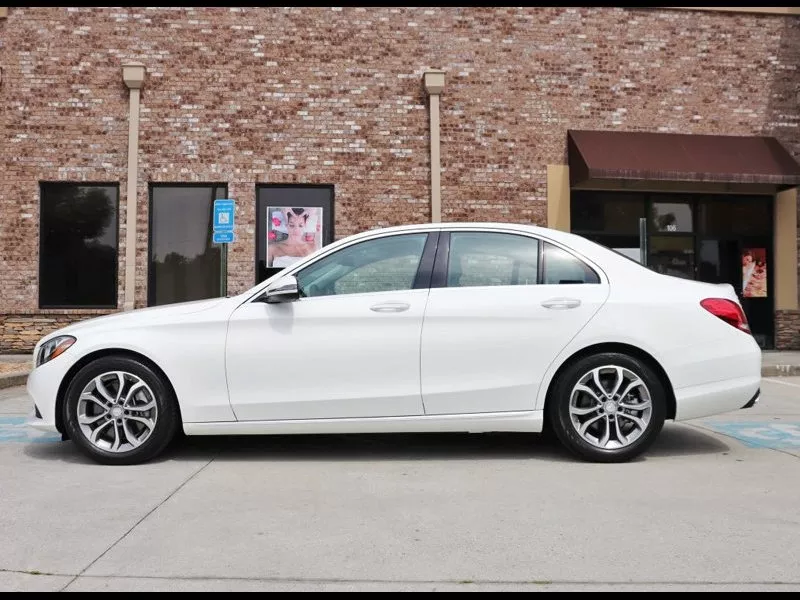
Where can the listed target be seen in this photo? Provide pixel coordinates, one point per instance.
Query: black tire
(166, 421)
(560, 420)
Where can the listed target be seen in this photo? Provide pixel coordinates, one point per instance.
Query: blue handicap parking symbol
(760, 434)
(14, 429)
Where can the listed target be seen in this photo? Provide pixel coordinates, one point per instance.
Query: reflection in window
(561, 267)
(486, 259)
(671, 217)
(607, 212)
(381, 265)
(672, 256)
(78, 259)
(724, 216)
(184, 263)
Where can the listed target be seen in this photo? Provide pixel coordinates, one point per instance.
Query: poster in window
(754, 272)
(292, 233)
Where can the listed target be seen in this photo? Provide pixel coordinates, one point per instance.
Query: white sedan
(438, 327)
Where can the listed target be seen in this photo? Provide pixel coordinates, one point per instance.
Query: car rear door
(502, 306)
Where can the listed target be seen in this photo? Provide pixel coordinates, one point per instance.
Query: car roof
(553, 234)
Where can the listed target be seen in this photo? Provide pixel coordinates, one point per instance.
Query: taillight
(727, 310)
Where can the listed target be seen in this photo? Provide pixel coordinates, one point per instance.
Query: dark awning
(618, 155)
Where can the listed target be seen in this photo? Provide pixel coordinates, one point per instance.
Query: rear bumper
(716, 398)
(753, 400)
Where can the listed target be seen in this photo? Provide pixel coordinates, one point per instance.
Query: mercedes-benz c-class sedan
(421, 328)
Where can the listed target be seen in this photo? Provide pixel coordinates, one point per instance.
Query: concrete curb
(13, 380)
(780, 371)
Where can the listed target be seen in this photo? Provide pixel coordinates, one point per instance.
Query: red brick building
(564, 117)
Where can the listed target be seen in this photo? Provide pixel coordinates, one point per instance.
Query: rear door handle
(561, 303)
(390, 307)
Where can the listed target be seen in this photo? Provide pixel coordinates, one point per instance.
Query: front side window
(381, 265)
(561, 267)
(78, 251)
(479, 259)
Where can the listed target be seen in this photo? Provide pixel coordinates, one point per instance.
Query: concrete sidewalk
(14, 368)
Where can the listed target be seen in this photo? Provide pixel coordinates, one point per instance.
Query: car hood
(141, 316)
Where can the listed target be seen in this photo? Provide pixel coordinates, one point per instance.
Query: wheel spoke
(636, 420)
(141, 407)
(607, 435)
(620, 380)
(622, 438)
(582, 412)
(86, 420)
(633, 384)
(132, 392)
(641, 406)
(129, 435)
(96, 433)
(101, 387)
(588, 390)
(149, 423)
(587, 423)
(89, 397)
(115, 445)
(121, 386)
(598, 383)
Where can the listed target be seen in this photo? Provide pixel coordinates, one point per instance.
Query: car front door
(348, 347)
(501, 308)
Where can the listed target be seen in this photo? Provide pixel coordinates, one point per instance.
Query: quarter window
(561, 267)
(381, 265)
(490, 259)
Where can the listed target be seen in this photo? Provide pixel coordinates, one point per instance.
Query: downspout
(133, 75)
(434, 84)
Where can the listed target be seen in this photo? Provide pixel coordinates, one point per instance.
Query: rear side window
(561, 267)
(479, 259)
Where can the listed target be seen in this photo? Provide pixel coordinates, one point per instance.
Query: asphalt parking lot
(713, 506)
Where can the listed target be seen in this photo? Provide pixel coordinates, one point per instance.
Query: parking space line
(789, 383)
(135, 525)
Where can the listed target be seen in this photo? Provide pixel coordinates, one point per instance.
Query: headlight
(53, 347)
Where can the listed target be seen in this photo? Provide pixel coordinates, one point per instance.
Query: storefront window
(78, 252)
(735, 215)
(671, 217)
(607, 212)
(672, 255)
(293, 221)
(184, 263)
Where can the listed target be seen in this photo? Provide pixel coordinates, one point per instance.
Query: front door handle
(561, 303)
(390, 307)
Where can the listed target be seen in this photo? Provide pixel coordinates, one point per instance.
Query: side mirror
(284, 290)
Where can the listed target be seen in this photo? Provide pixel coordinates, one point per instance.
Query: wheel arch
(621, 348)
(92, 356)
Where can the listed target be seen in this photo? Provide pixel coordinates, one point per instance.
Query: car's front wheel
(119, 411)
(608, 407)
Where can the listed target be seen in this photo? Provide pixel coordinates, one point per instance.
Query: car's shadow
(674, 440)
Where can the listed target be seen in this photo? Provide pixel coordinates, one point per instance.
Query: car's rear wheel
(609, 407)
(119, 411)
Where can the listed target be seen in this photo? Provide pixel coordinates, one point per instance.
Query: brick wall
(334, 96)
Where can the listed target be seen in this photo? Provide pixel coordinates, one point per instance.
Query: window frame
(586, 266)
(441, 262)
(259, 245)
(167, 184)
(442, 267)
(40, 245)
